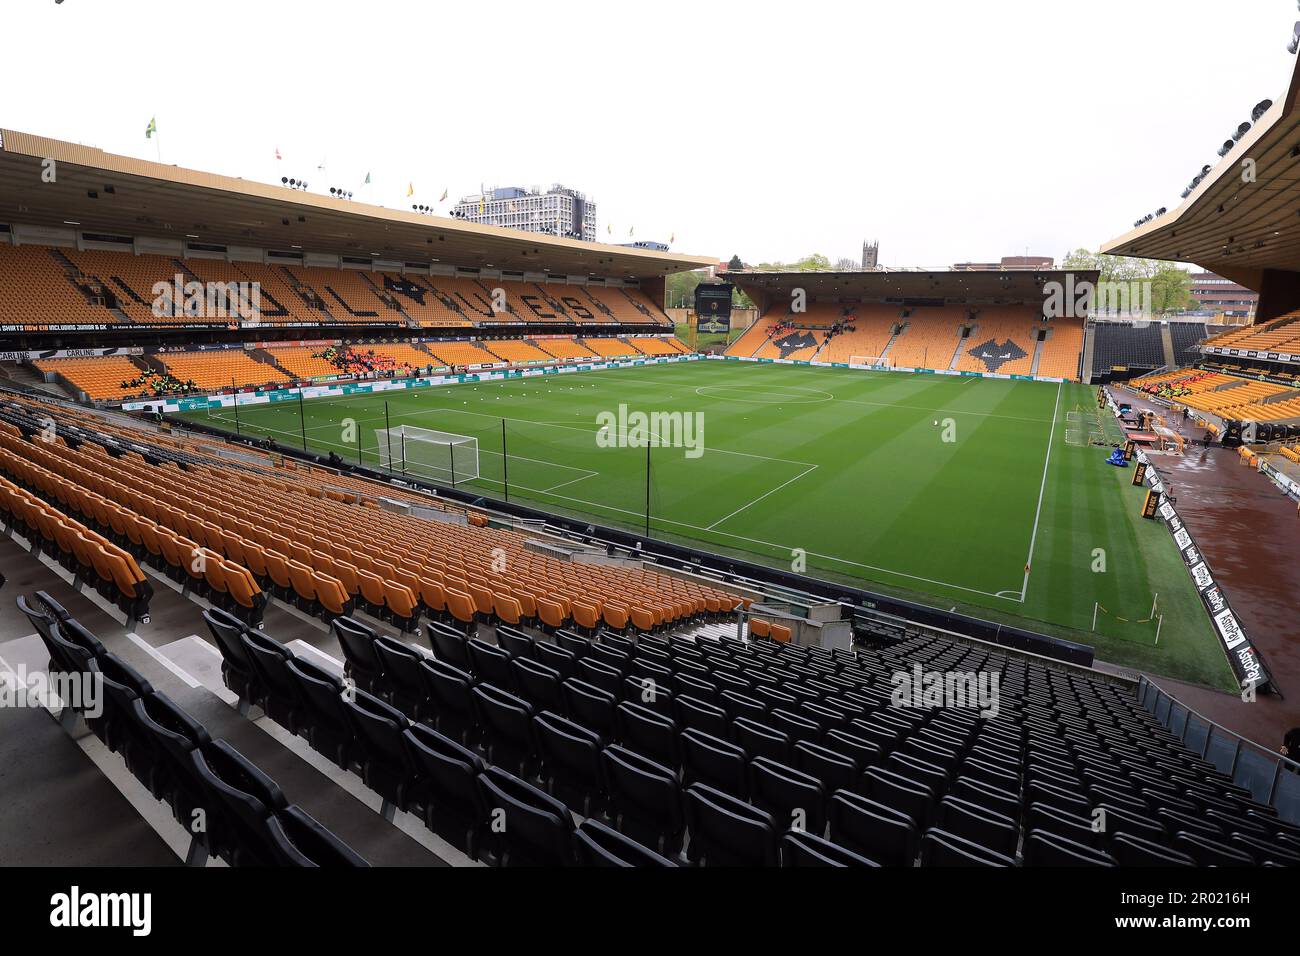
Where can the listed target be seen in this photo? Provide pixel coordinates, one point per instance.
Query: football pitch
(976, 494)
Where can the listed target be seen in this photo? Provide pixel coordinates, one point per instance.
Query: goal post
(436, 456)
(872, 361)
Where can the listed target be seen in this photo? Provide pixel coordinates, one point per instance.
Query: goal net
(424, 453)
(872, 361)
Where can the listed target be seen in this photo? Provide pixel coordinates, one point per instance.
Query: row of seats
(119, 377)
(42, 287)
(404, 724)
(1280, 334)
(231, 809)
(93, 559)
(320, 550)
(724, 750)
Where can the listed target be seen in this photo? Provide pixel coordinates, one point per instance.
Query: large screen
(713, 306)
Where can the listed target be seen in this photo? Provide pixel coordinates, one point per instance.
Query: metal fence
(1272, 779)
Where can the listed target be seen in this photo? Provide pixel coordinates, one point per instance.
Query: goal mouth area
(871, 361)
(443, 457)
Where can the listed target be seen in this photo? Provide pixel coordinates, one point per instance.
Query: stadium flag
(151, 128)
(277, 153)
(609, 228)
(367, 179)
(631, 231)
(672, 238)
(410, 189)
(443, 197)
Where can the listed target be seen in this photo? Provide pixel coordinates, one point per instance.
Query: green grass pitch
(841, 473)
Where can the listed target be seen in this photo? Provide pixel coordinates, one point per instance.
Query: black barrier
(1243, 657)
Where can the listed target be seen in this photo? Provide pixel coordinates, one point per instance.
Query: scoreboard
(713, 306)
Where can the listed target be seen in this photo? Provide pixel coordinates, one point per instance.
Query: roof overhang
(1008, 286)
(1229, 224)
(154, 200)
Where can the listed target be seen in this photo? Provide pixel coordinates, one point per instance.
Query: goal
(424, 453)
(872, 361)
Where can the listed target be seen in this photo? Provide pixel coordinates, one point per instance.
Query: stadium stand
(517, 350)
(1062, 350)
(307, 546)
(102, 378)
(1186, 336)
(1280, 334)
(220, 368)
(657, 346)
(610, 348)
(562, 348)
(867, 331)
(1125, 345)
(929, 338)
(40, 288)
(1001, 340)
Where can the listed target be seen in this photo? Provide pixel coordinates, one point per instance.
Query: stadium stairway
(266, 358)
(966, 332)
(1167, 344)
(1039, 341)
(1089, 346)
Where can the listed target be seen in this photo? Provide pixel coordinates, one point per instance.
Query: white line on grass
(1033, 537)
(809, 471)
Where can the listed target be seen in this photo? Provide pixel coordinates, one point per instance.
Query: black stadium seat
(645, 799)
(294, 838)
(808, 849)
(726, 831)
(529, 827)
(599, 845)
(445, 788)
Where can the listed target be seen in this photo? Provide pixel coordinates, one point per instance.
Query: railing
(1272, 779)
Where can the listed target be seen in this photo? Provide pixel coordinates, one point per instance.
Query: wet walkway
(1249, 532)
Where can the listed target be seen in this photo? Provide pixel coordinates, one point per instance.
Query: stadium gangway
(1271, 778)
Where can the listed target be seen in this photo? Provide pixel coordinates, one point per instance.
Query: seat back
(599, 845)
(296, 839)
(537, 829)
(726, 831)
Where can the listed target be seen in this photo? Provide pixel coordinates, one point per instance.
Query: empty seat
(726, 831)
(939, 848)
(296, 839)
(645, 799)
(599, 845)
(570, 755)
(507, 723)
(1050, 849)
(445, 788)
(323, 717)
(534, 828)
(795, 799)
(872, 829)
(377, 728)
(716, 762)
(808, 849)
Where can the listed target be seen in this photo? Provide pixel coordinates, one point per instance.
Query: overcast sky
(950, 130)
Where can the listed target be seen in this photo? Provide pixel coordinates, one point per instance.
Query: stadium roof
(1011, 285)
(1229, 226)
(152, 199)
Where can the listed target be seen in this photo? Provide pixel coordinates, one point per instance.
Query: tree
(679, 289)
(1171, 289)
(734, 264)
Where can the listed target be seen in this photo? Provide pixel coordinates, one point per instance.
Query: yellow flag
(410, 189)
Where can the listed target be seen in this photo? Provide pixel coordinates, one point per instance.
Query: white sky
(950, 130)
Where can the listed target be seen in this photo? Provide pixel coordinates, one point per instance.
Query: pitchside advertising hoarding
(1242, 655)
